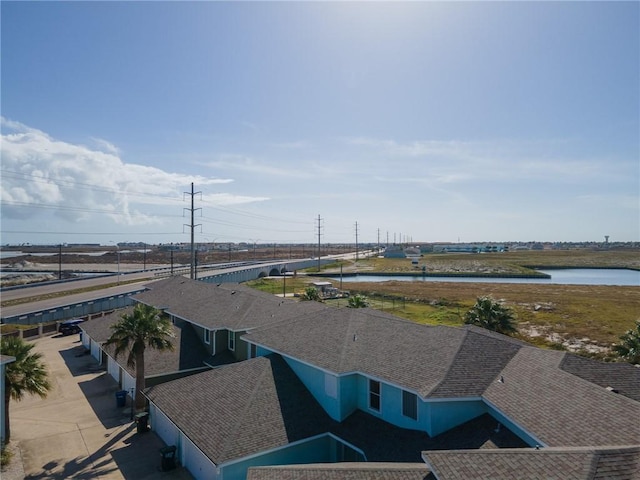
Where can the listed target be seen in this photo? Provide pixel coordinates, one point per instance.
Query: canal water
(565, 276)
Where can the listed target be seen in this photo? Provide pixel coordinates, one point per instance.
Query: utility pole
(356, 241)
(378, 250)
(60, 262)
(319, 235)
(192, 226)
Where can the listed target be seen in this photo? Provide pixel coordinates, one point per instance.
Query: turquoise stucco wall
(314, 380)
(445, 415)
(434, 417)
(323, 449)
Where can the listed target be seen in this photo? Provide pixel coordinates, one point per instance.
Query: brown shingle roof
(623, 377)
(621, 463)
(559, 408)
(342, 471)
(433, 361)
(188, 353)
(222, 306)
(241, 409)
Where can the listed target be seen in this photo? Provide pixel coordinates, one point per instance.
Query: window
(410, 405)
(374, 395)
(232, 341)
(207, 336)
(253, 353)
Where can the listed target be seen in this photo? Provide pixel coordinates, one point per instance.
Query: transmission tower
(192, 226)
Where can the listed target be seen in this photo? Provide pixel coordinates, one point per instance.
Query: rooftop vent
(611, 389)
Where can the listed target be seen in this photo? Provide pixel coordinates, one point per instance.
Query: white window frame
(207, 336)
(231, 341)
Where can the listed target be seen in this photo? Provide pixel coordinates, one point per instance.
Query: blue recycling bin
(121, 398)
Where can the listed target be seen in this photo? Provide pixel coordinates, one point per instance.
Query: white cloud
(43, 175)
(247, 164)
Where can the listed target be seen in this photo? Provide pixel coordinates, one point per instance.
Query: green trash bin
(168, 460)
(142, 422)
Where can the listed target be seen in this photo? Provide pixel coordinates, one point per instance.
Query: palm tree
(492, 315)
(358, 301)
(136, 331)
(28, 374)
(629, 346)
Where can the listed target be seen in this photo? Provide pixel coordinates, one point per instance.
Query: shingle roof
(433, 361)
(621, 463)
(342, 471)
(559, 408)
(222, 306)
(382, 442)
(188, 353)
(241, 409)
(623, 377)
(259, 404)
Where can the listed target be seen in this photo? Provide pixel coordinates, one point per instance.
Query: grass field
(582, 318)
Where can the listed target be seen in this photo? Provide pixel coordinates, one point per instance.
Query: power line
(82, 185)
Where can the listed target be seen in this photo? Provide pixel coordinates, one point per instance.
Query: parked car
(69, 327)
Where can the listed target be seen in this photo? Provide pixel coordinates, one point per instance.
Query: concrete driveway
(78, 431)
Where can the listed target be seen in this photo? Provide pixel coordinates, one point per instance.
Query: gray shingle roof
(260, 404)
(241, 409)
(189, 352)
(222, 306)
(342, 471)
(623, 377)
(622, 463)
(433, 361)
(559, 408)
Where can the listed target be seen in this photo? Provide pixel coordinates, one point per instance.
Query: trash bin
(142, 420)
(168, 458)
(121, 398)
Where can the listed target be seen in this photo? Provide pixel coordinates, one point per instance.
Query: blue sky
(437, 122)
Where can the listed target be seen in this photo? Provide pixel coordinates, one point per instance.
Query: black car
(69, 327)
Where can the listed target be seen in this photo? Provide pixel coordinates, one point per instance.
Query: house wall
(241, 351)
(315, 381)
(445, 415)
(163, 427)
(197, 462)
(352, 392)
(222, 340)
(324, 449)
(96, 351)
(86, 340)
(200, 333)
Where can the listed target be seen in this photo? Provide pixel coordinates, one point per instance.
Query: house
(187, 357)
(304, 383)
(220, 314)
(341, 471)
(4, 361)
(555, 463)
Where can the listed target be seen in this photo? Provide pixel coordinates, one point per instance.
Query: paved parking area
(78, 431)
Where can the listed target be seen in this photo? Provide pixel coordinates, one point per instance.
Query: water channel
(565, 276)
